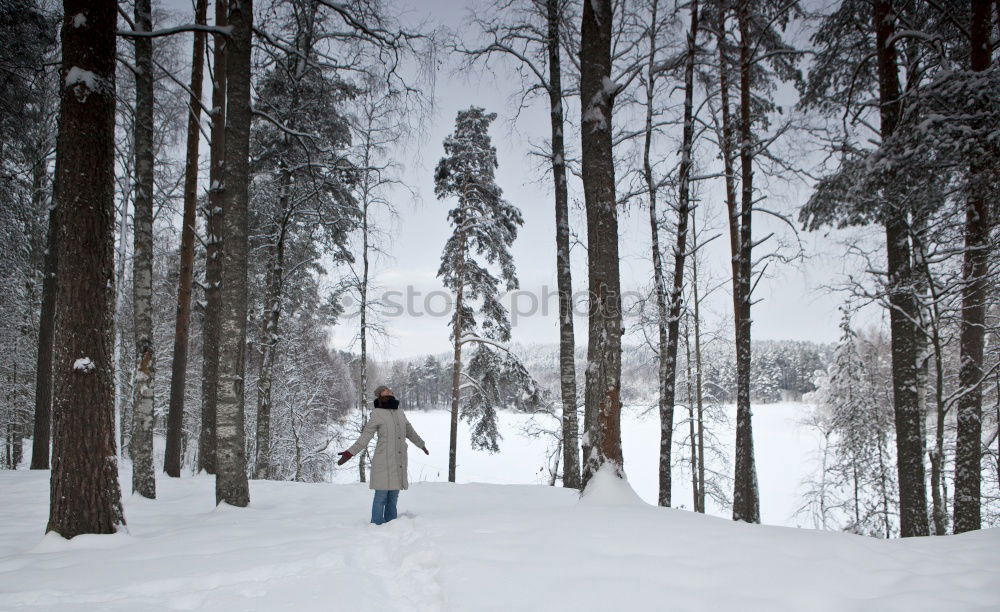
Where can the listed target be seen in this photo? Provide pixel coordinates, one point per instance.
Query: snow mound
(606, 488)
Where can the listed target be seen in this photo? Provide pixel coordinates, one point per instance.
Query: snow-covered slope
(462, 547)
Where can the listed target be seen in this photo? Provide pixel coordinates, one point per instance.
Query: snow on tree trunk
(564, 279)
(903, 310)
(84, 493)
(231, 476)
(143, 479)
(603, 382)
(975, 269)
(178, 370)
(213, 250)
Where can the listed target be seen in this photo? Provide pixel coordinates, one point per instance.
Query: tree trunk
(231, 476)
(903, 305)
(123, 371)
(698, 389)
(43, 369)
(692, 431)
(84, 492)
(213, 250)
(668, 349)
(143, 479)
(363, 291)
(746, 503)
(269, 337)
(178, 370)
(664, 387)
(975, 268)
(456, 368)
(564, 280)
(939, 499)
(603, 388)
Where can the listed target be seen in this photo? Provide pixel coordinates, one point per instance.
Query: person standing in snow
(388, 473)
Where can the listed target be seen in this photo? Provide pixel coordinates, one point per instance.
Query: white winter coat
(389, 460)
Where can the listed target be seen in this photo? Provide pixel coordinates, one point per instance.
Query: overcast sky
(792, 306)
(792, 303)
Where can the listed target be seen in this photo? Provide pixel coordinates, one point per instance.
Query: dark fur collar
(389, 403)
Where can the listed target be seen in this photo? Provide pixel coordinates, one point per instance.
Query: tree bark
(456, 368)
(43, 370)
(178, 370)
(903, 304)
(143, 479)
(84, 493)
(269, 335)
(231, 477)
(746, 503)
(564, 280)
(366, 197)
(213, 250)
(665, 388)
(699, 503)
(975, 268)
(669, 344)
(603, 386)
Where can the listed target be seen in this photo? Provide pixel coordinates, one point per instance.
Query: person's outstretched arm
(366, 436)
(412, 436)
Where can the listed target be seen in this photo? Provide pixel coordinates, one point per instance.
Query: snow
(79, 20)
(784, 455)
(83, 82)
(308, 547)
(607, 489)
(513, 544)
(79, 75)
(84, 364)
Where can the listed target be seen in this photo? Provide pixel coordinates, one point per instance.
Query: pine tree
(84, 493)
(602, 416)
(213, 252)
(484, 226)
(231, 474)
(185, 281)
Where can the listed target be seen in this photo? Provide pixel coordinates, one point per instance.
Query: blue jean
(384, 506)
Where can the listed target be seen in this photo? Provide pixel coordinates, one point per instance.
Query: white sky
(792, 303)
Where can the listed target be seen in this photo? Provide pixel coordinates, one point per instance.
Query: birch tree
(143, 479)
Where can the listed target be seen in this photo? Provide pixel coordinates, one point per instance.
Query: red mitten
(344, 458)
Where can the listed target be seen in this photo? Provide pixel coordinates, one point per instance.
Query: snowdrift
(465, 547)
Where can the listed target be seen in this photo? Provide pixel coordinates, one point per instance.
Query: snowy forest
(201, 203)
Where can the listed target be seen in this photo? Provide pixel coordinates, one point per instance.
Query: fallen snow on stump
(607, 489)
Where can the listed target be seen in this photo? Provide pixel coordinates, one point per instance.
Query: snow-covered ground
(784, 455)
(465, 547)
(479, 546)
